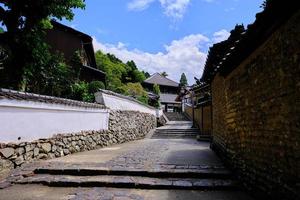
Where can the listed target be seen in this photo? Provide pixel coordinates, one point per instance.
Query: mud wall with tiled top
(121, 126)
(26, 117)
(203, 124)
(256, 115)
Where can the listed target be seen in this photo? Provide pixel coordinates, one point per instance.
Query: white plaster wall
(118, 103)
(34, 120)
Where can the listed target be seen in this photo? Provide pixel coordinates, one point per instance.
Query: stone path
(154, 168)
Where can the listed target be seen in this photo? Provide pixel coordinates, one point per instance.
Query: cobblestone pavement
(148, 160)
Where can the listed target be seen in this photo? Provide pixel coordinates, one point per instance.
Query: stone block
(46, 147)
(20, 151)
(6, 164)
(19, 160)
(36, 152)
(7, 152)
(42, 156)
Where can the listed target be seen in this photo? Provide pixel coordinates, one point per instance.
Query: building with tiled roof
(169, 91)
(67, 41)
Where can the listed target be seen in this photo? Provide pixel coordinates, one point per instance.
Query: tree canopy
(164, 74)
(156, 89)
(124, 78)
(183, 80)
(25, 22)
(117, 72)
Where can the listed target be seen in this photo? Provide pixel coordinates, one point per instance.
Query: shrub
(80, 92)
(94, 86)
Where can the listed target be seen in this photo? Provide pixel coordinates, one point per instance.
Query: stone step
(165, 129)
(161, 173)
(204, 137)
(130, 182)
(175, 131)
(173, 136)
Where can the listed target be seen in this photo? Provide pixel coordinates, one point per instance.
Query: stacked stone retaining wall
(124, 126)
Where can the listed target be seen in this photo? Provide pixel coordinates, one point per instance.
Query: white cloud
(139, 5)
(183, 55)
(220, 36)
(172, 8)
(175, 8)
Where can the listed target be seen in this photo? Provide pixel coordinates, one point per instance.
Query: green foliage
(80, 92)
(164, 74)
(76, 63)
(134, 90)
(144, 99)
(94, 86)
(24, 22)
(1, 30)
(183, 80)
(146, 74)
(156, 104)
(83, 91)
(156, 89)
(46, 73)
(117, 72)
(138, 76)
(123, 78)
(113, 68)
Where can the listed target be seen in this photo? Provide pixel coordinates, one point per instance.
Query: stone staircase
(137, 171)
(175, 133)
(175, 116)
(187, 179)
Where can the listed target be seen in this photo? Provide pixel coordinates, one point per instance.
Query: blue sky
(162, 35)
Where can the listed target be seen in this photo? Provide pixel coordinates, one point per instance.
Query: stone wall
(256, 115)
(124, 126)
(130, 125)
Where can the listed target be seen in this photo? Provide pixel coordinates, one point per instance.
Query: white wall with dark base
(27, 120)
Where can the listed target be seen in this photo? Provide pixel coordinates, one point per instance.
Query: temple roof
(168, 98)
(161, 80)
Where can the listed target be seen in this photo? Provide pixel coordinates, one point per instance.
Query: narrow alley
(168, 164)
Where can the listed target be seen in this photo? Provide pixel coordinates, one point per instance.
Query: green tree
(135, 90)
(80, 92)
(132, 73)
(113, 67)
(146, 74)
(164, 74)
(95, 86)
(138, 76)
(24, 22)
(156, 89)
(183, 80)
(117, 72)
(47, 74)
